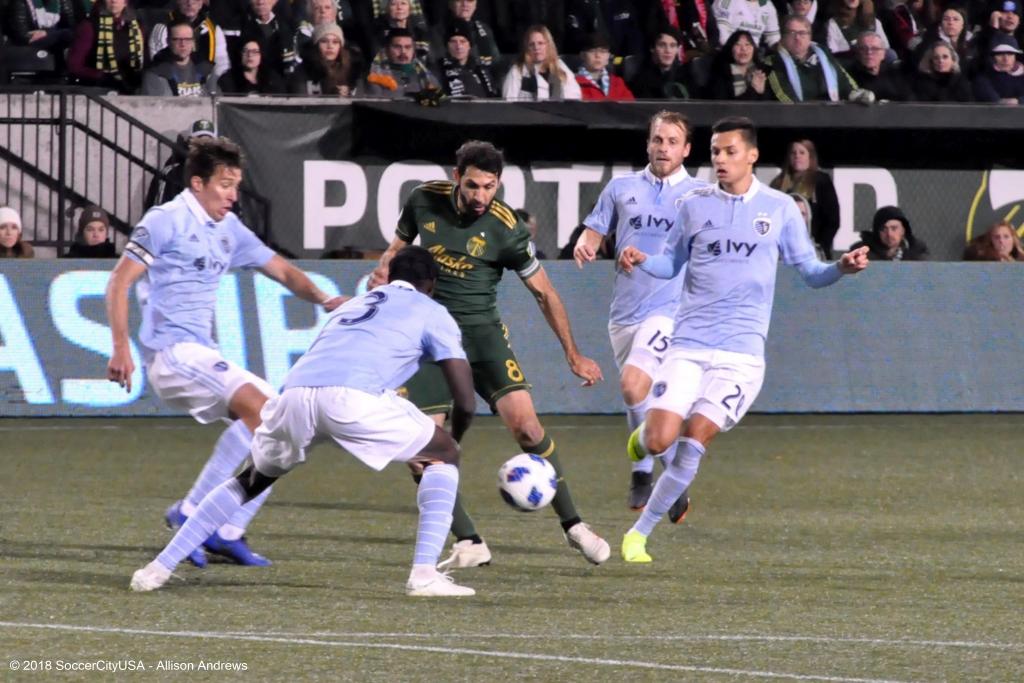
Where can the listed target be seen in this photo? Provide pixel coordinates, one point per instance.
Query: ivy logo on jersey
(636, 222)
(762, 224)
(715, 248)
(476, 246)
(659, 389)
(430, 226)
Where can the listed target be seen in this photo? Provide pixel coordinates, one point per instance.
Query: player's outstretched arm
(460, 382)
(852, 262)
(299, 284)
(380, 273)
(120, 366)
(586, 247)
(630, 257)
(554, 312)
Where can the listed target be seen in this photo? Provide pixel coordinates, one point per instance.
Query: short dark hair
(399, 32)
(205, 154)
(745, 126)
(180, 22)
(482, 155)
(413, 264)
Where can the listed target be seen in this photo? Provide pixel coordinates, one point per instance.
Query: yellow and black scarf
(106, 57)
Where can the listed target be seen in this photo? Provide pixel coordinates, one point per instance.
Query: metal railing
(62, 149)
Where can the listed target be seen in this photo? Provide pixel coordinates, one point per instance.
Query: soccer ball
(527, 482)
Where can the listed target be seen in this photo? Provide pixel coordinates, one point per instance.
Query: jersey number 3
(371, 302)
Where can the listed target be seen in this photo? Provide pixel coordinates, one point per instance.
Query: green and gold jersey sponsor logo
(476, 245)
(449, 263)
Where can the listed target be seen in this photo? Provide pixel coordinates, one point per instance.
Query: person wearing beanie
(396, 72)
(1003, 80)
(92, 239)
(330, 69)
(596, 81)
(460, 72)
(11, 244)
(891, 238)
(485, 47)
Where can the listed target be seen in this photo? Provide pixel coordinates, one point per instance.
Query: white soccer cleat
(150, 577)
(436, 585)
(590, 545)
(467, 554)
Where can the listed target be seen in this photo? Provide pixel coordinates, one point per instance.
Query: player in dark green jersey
(474, 238)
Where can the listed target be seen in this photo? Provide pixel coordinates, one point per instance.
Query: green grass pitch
(821, 548)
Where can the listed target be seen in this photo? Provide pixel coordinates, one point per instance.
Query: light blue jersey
(186, 252)
(641, 208)
(732, 245)
(374, 342)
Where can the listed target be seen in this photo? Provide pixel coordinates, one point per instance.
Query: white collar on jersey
(755, 186)
(673, 180)
(197, 209)
(403, 284)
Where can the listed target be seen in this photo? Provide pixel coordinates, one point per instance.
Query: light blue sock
(634, 416)
(239, 522)
(677, 477)
(229, 453)
(435, 498)
(212, 512)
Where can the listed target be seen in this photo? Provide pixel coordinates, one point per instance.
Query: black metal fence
(62, 149)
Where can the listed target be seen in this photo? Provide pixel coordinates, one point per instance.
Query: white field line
(498, 654)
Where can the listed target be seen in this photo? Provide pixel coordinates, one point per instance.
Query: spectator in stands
(109, 48)
(175, 71)
(530, 221)
(952, 29)
(461, 74)
(1003, 80)
(872, 73)
(396, 72)
(1003, 20)
(906, 23)
(803, 71)
(757, 16)
(331, 70)
(42, 24)
(662, 76)
(694, 22)
(1000, 243)
(485, 47)
(11, 244)
(92, 239)
(398, 14)
(620, 20)
(171, 181)
(804, 8)
(595, 80)
(738, 73)
(807, 213)
(891, 239)
(274, 33)
(317, 12)
(938, 77)
(210, 44)
(251, 76)
(801, 175)
(538, 73)
(847, 20)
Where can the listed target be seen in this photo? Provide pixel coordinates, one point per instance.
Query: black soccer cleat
(677, 513)
(640, 487)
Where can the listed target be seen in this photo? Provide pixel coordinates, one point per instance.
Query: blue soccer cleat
(236, 551)
(175, 518)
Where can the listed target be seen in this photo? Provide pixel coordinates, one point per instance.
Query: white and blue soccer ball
(527, 482)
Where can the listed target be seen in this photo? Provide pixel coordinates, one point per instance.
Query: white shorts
(376, 428)
(196, 378)
(720, 385)
(643, 344)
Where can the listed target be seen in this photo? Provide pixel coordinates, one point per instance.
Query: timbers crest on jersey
(476, 246)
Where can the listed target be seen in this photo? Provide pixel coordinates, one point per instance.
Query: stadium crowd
(783, 50)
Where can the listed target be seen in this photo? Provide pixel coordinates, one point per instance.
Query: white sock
(677, 477)
(435, 498)
(212, 512)
(635, 416)
(229, 453)
(239, 522)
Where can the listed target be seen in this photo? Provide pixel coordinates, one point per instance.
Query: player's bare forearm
(299, 284)
(120, 366)
(459, 377)
(587, 246)
(554, 312)
(380, 273)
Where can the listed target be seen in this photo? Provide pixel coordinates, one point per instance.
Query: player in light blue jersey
(640, 209)
(731, 235)
(183, 248)
(343, 389)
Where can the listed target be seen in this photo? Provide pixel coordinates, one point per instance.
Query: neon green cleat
(634, 449)
(634, 547)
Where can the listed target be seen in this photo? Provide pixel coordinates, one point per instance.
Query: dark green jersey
(471, 252)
